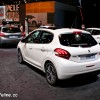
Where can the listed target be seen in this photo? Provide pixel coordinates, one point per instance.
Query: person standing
(21, 28)
(83, 26)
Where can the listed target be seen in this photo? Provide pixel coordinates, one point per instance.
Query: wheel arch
(47, 61)
(18, 49)
(55, 79)
(20, 58)
(33, 21)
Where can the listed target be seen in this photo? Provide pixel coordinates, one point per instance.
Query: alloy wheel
(51, 74)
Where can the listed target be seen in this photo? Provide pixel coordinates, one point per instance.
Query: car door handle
(42, 49)
(30, 48)
(98, 37)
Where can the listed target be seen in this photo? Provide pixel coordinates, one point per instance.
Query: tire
(20, 57)
(34, 24)
(51, 74)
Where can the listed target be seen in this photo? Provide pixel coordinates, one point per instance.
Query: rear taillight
(62, 53)
(23, 34)
(2, 35)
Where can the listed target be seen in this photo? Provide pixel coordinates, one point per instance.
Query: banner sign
(2, 12)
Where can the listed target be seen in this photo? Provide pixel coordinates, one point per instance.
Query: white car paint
(80, 61)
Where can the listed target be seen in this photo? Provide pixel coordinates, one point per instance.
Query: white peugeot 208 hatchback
(60, 53)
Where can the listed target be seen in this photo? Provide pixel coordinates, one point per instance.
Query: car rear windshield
(77, 40)
(11, 30)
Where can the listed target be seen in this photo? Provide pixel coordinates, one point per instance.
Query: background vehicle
(33, 21)
(60, 53)
(95, 32)
(10, 35)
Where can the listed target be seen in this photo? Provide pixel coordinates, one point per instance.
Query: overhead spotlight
(19, 2)
(25, 1)
(3, 3)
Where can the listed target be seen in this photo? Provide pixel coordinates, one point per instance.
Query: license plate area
(87, 57)
(13, 37)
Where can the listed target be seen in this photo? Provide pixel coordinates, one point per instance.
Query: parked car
(33, 21)
(10, 35)
(60, 53)
(95, 32)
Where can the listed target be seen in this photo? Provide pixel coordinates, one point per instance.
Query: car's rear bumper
(67, 69)
(9, 41)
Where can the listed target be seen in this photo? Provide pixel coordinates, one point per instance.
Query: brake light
(62, 53)
(2, 35)
(77, 32)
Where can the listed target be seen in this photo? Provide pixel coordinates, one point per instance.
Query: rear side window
(77, 40)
